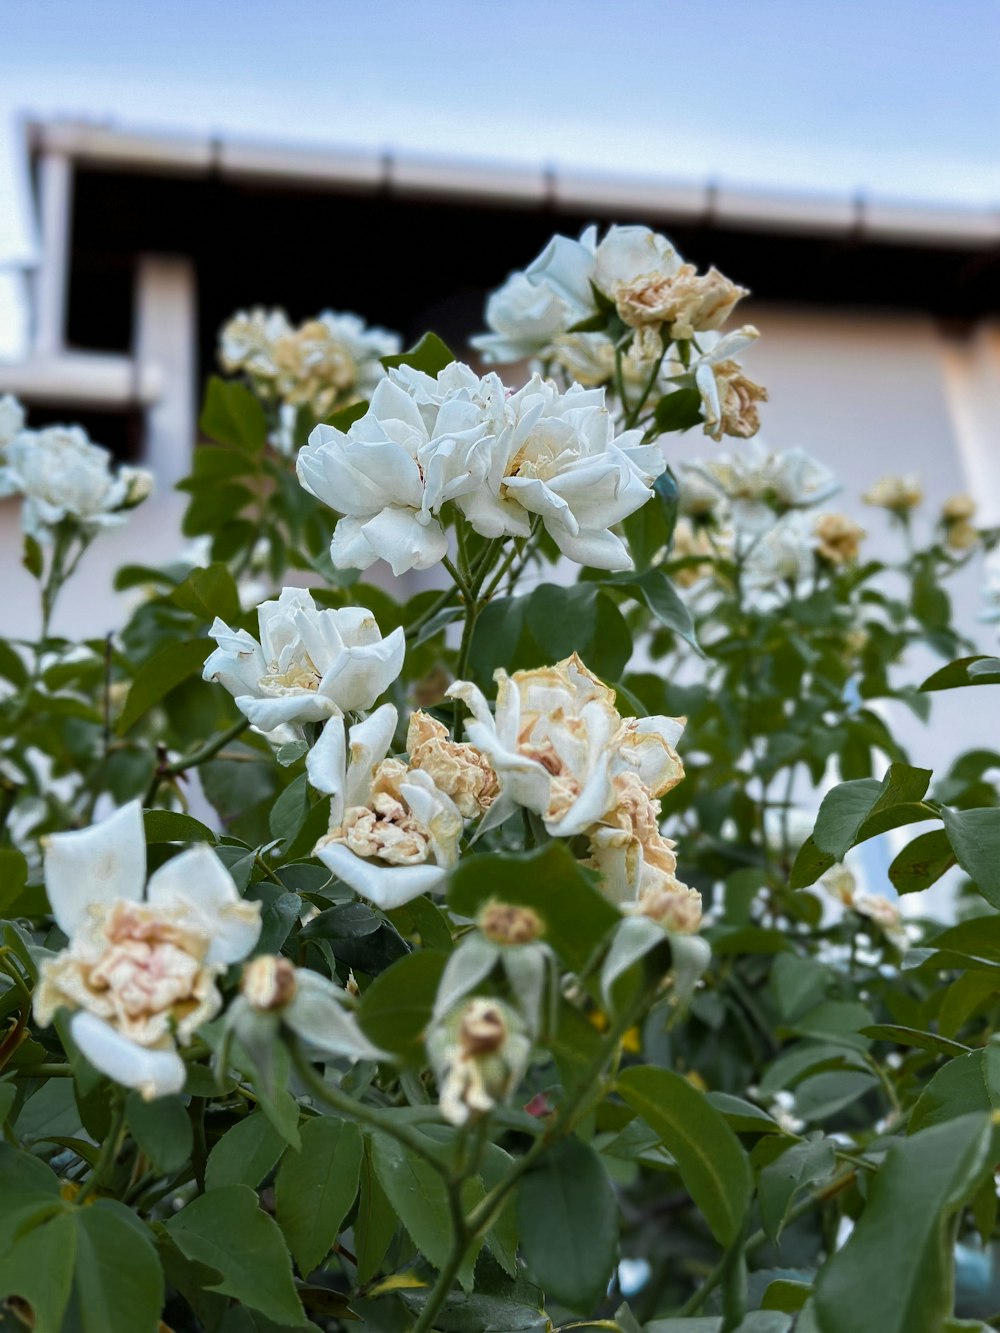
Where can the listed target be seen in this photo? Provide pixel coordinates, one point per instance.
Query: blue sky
(902, 99)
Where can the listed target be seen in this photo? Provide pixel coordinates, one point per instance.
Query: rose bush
(442, 951)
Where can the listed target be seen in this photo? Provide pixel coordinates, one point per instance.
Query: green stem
(108, 1154)
(200, 756)
(372, 1116)
(632, 417)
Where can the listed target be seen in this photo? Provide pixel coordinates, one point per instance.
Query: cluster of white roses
(755, 507)
(504, 459)
(62, 475)
(324, 364)
(555, 311)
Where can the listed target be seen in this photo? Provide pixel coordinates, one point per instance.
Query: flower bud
(139, 485)
(269, 982)
(506, 923)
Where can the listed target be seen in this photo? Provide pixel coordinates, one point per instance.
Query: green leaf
(656, 589)
(227, 1230)
(575, 915)
(317, 1186)
(709, 1157)
(13, 877)
(33, 557)
(118, 1279)
(208, 593)
(157, 677)
(173, 826)
(978, 670)
(417, 1194)
(290, 810)
(845, 812)
(924, 1041)
(430, 355)
(805, 1163)
(965, 1084)
(922, 862)
(786, 1295)
(975, 839)
(245, 1154)
(568, 1222)
(38, 1267)
(162, 1129)
(895, 1273)
(375, 1223)
(233, 415)
(397, 1006)
(677, 411)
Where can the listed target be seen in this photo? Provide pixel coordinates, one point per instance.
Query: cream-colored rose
(958, 508)
(961, 536)
(898, 494)
(838, 538)
(674, 906)
(690, 542)
(139, 972)
(458, 769)
(686, 302)
(393, 833)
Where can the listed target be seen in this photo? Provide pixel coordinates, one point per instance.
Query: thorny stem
(199, 756)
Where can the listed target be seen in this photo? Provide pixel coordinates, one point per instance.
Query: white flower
(11, 420)
(246, 342)
(140, 969)
(479, 1053)
(62, 475)
(393, 834)
(309, 664)
(327, 362)
(500, 458)
(526, 317)
(897, 494)
(783, 553)
(729, 399)
(558, 458)
(558, 744)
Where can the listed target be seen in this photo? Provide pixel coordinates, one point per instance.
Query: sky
(901, 100)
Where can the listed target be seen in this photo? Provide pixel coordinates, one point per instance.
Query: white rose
(784, 553)
(140, 968)
(628, 257)
(62, 475)
(246, 342)
(535, 306)
(309, 663)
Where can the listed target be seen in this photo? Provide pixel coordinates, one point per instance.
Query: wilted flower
(309, 664)
(140, 969)
(961, 536)
(509, 923)
(838, 538)
(63, 476)
(690, 543)
(274, 993)
(479, 1053)
(897, 494)
(327, 362)
(393, 834)
(458, 769)
(729, 399)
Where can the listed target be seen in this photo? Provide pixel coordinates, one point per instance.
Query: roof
(862, 217)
